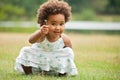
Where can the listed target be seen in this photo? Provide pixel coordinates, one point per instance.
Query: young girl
(51, 50)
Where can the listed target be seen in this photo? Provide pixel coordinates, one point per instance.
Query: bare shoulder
(66, 40)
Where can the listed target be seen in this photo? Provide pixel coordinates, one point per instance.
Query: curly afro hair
(53, 7)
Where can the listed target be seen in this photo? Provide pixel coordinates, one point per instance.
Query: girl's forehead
(56, 17)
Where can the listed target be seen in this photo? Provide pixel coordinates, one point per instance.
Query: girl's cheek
(62, 30)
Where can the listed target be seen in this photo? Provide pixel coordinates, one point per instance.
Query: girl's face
(56, 24)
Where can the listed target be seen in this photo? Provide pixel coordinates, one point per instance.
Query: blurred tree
(88, 14)
(8, 11)
(13, 9)
(113, 7)
(80, 5)
(99, 5)
(26, 9)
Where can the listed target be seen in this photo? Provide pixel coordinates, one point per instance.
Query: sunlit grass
(97, 57)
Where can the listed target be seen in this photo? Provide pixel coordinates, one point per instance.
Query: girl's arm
(66, 40)
(39, 35)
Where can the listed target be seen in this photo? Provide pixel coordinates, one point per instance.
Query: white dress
(47, 56)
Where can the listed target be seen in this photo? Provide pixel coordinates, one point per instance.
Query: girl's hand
(44, 29)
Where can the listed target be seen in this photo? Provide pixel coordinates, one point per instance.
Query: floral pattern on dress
(48, 56)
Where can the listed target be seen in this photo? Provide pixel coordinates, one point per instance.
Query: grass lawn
(97, 56)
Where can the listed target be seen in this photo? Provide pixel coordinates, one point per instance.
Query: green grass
(18, 29)
(97, 56)
(95, 17)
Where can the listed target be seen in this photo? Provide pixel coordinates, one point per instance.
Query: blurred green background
(90, 10)
(97, 52)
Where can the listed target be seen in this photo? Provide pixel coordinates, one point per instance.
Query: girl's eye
(62, 24)
(53, 24)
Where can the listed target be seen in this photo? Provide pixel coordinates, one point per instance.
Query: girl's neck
(52, 38)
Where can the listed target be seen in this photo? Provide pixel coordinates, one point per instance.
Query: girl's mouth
(56, 32)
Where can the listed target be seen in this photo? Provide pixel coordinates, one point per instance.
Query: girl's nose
(58, 27)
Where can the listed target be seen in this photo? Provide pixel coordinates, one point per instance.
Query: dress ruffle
(60, 60)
